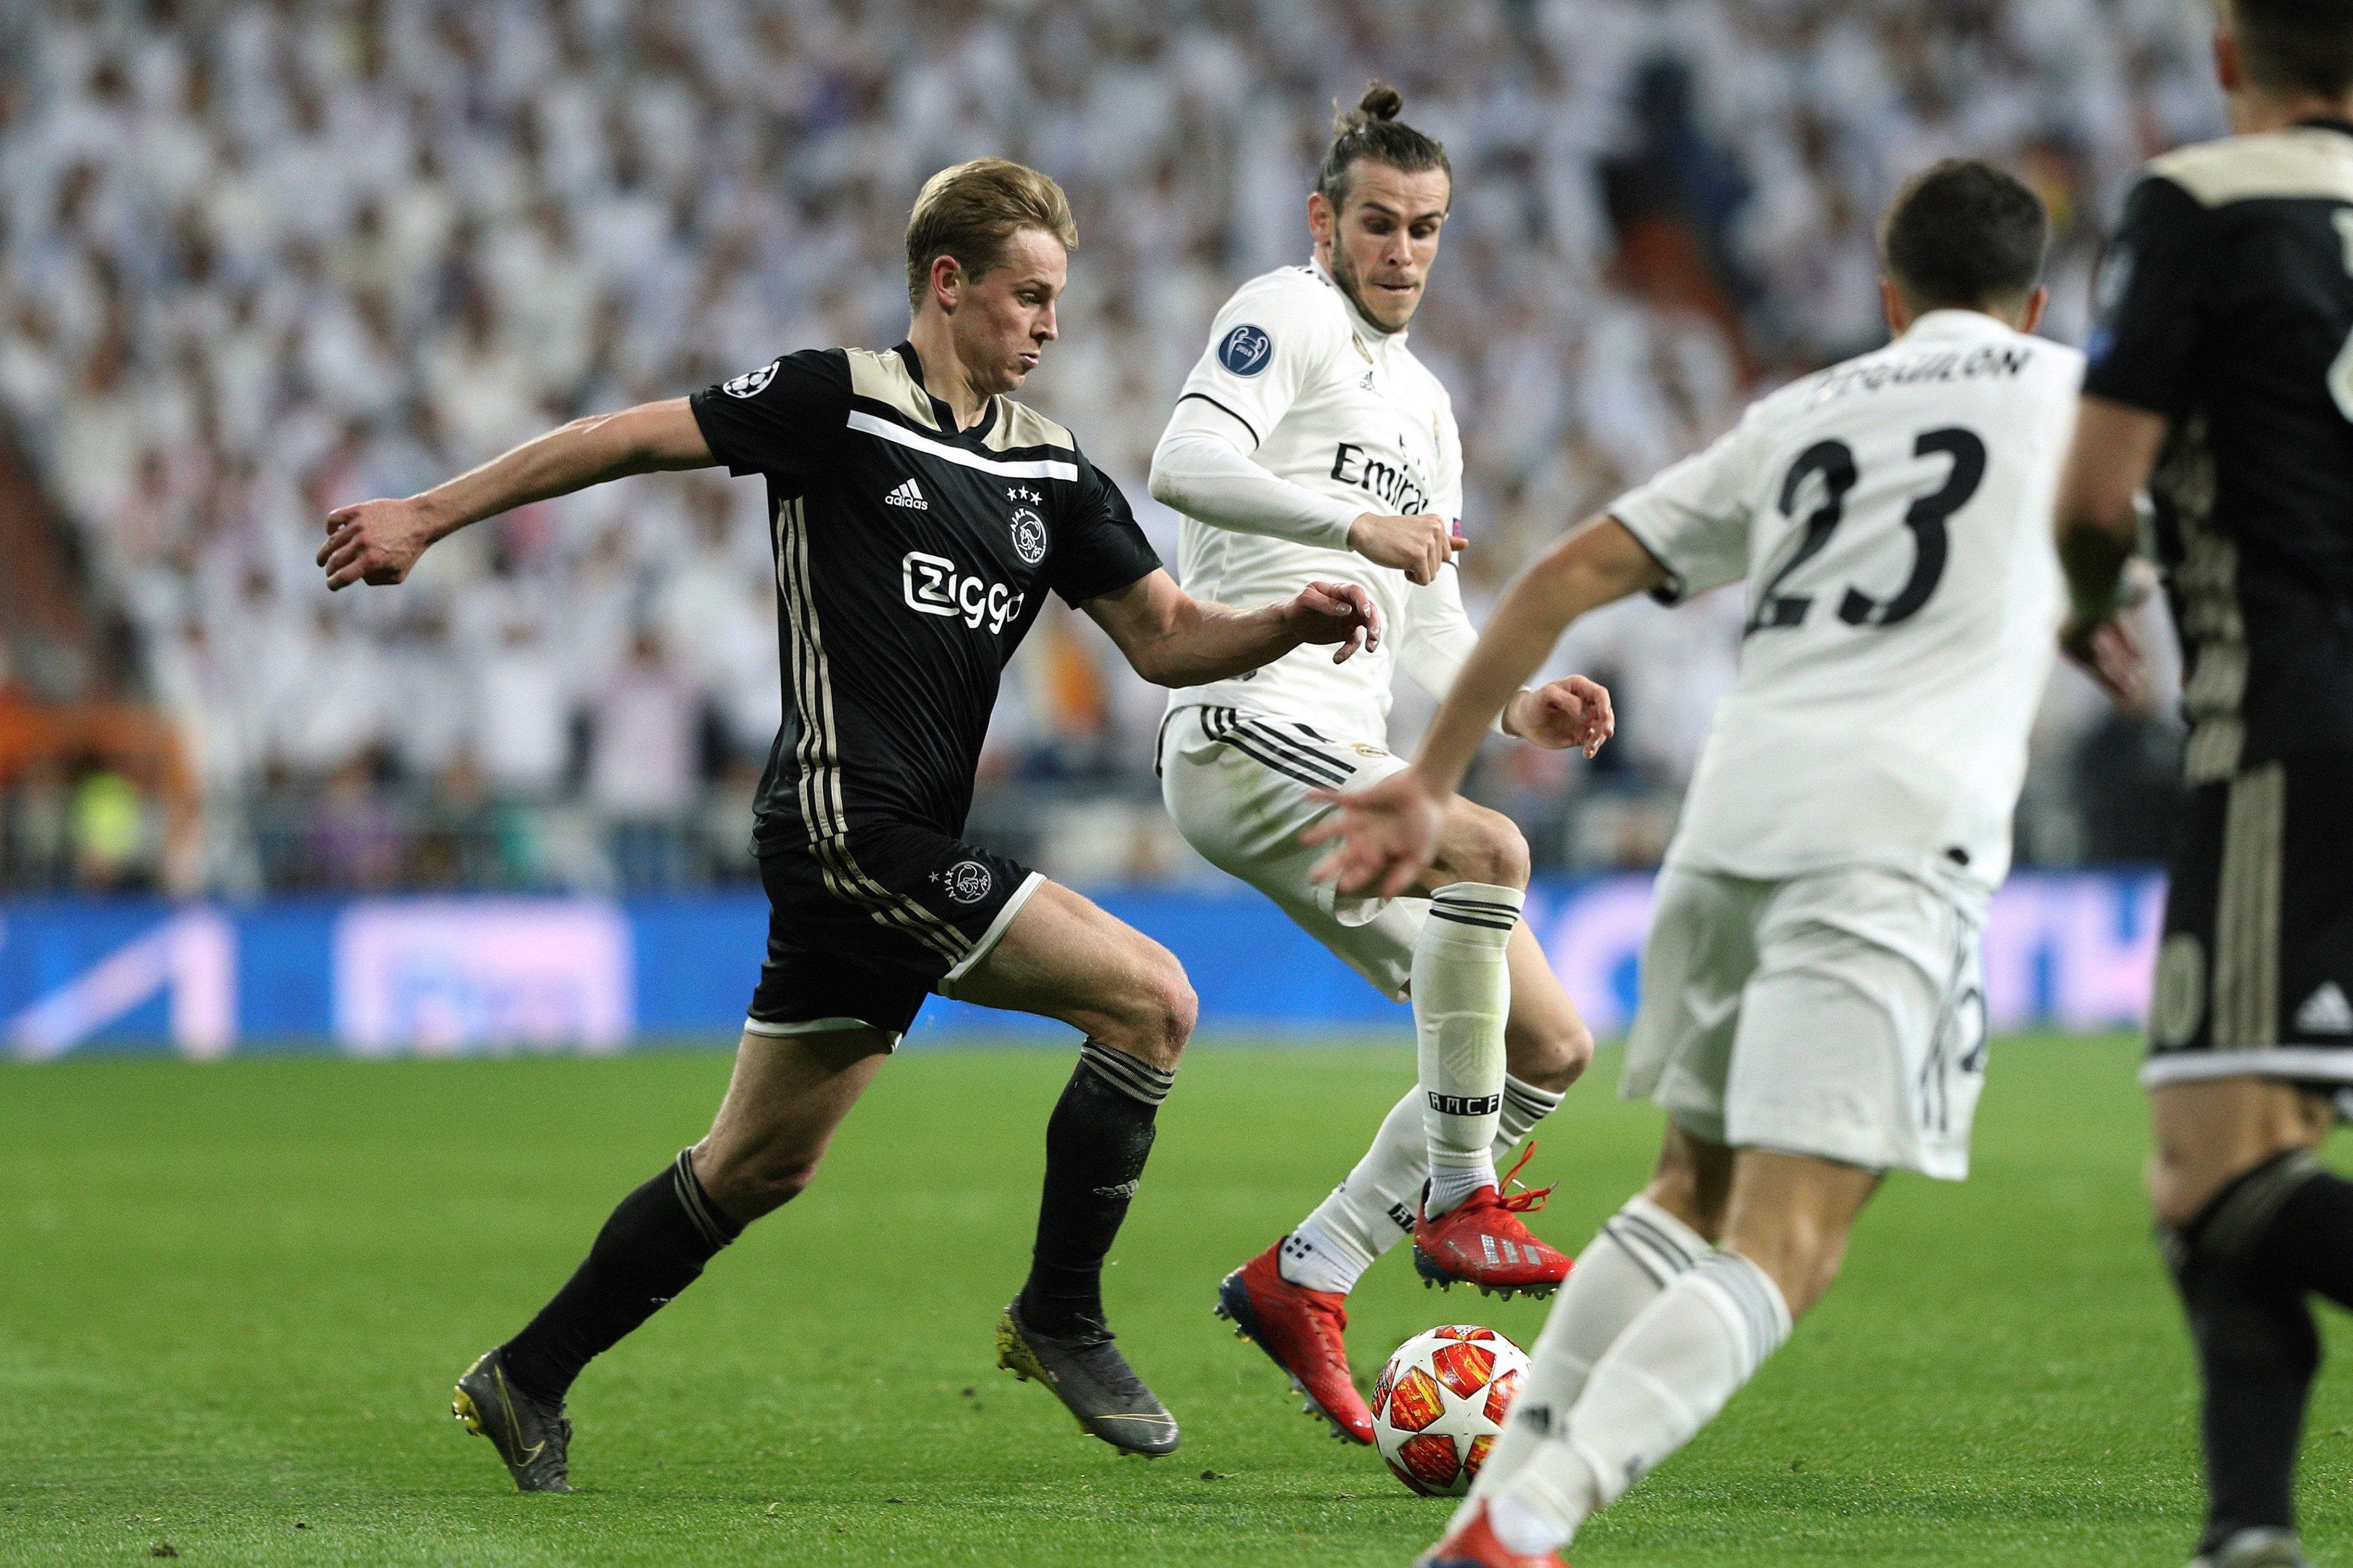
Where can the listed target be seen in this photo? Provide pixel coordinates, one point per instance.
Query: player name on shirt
(1891, 516)
(1895, 368)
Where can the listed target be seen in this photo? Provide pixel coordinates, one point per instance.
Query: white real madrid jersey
(1892, 516)
(1320, 398)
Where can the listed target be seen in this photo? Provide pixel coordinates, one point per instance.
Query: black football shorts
(2256, 972)
(862, 929)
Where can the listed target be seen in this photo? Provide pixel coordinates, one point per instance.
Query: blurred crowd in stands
(260, 259)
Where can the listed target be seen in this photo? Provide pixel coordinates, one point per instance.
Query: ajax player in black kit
(919, 519)
(2221, 375)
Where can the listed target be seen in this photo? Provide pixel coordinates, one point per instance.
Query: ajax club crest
(1028, 528)
(968, 881)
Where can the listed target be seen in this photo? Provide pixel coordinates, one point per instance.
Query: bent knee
(1551, 1057)
(1157, 1014)
(1489, 847)
(750, 1184)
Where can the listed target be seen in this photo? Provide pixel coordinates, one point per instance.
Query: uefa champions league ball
(1439, 1405)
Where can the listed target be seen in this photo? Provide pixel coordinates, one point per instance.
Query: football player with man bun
(1310, 444)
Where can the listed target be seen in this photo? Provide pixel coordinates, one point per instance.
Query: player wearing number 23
(1811, 1016)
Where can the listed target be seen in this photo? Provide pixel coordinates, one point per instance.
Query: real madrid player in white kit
(1810, 1011)
(1310, 444)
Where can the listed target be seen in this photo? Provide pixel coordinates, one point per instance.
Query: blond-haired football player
(919, 517)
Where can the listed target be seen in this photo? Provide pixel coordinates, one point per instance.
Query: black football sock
(2243, 1268)
(653, 1247)
(1096, 1143)
(2309, 1236)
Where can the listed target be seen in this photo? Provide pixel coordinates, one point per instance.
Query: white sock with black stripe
(1669, 1374)
(1638, 1253)
(1372, 1211)
(1461, 995)
(1524, 1105)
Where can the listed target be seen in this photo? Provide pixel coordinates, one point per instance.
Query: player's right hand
(375, 542)
(1417, 545)
(2107, 651)
(1388, 835)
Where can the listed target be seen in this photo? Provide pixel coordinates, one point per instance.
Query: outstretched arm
(1388, 833)
(378, 541)
(2115, 446)
(1174, 639)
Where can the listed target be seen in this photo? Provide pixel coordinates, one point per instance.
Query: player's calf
(1461, 996)
(2245, 1266)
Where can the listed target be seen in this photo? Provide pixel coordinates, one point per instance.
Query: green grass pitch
(232, 1296)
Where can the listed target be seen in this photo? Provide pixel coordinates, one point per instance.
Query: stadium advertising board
(449, 976)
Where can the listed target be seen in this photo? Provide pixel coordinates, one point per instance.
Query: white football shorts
(1237, 784)
(1840, 1015)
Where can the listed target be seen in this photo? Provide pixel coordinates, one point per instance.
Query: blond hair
(971, 212)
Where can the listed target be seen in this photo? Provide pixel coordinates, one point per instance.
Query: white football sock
(1524, 1105)
(1638, 1252)
(1667, 1375)
(1461, 995)
(1372, 1211)
(1366, 1214)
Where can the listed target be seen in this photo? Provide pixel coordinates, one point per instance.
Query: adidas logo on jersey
(2326, 1012)
(908, 495)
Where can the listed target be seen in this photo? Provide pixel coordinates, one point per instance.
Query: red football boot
(1473, 1545)
(1481, 1242)
(1301, 1330)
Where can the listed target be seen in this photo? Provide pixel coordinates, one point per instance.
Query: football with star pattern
(1439, 1405)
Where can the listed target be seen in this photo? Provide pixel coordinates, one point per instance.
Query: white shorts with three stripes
(1240, 786)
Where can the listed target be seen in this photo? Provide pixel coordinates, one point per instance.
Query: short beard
(1344, 273)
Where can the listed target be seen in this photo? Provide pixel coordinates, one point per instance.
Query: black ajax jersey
(2226, 304)
(911, 557)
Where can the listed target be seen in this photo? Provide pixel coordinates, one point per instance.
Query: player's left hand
(1337, 613)
(1574, 711)
(1386, 833)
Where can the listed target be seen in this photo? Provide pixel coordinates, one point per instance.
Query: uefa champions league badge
(751, 383)
(1246, 350)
